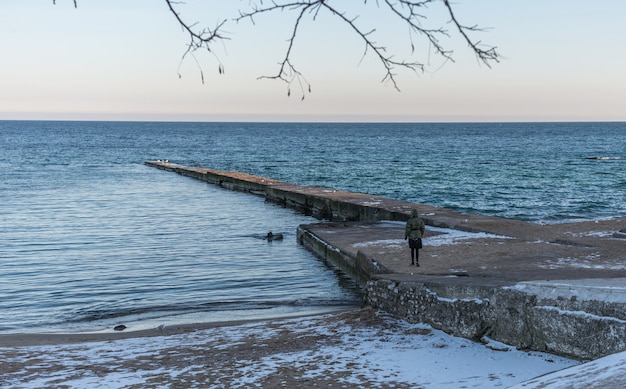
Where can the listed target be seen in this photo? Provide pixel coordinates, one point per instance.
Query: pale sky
(562, 60)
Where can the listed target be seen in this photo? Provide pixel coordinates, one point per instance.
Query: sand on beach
(358, 348)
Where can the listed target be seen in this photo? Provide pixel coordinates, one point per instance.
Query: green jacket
(414, 227)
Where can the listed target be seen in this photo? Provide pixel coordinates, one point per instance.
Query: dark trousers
(415, 245)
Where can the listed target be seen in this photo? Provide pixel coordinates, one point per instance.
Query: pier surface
(477, 246)
(559, 288)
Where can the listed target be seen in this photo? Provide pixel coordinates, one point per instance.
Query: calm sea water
(90, 237)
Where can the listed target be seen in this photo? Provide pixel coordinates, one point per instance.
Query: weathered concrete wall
(337, 205)
(574, 328)
(540, 317)
(319, 202)
(361, 267)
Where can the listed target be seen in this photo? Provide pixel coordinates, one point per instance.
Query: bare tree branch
(410, 13)
(485, 55)
(380, 51)
(287, 72)
(54, 2)
(407, 12)
(201, 38)
(198, 39)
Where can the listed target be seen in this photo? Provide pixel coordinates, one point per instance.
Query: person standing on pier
(414, 231)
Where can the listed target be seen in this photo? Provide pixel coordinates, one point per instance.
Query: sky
(121, 60)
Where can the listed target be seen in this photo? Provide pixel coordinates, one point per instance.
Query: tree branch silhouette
(487, 55)
(198, 39)
(75, 3)
(410, 13)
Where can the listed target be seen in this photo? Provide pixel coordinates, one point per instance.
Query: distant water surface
(90, 237)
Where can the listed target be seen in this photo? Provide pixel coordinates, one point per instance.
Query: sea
(91, 237)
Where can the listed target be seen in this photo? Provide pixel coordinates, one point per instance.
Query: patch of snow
(607, 372)
(580, 314)
(371, 203)
(445, 236)
(451, 237)
(453, 300)
(495, 345)
(381, 242)
(609, 290)
(586, 262)
(599, 234)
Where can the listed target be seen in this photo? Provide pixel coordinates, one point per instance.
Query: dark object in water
(270, 236)
(600, 158)
(120, 327)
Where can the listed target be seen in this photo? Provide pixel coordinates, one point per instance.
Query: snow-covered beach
(351, 349)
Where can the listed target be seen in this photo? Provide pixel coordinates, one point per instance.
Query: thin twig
(485, 55)
(411, 13)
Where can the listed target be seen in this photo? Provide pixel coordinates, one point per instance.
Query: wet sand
(51, 339)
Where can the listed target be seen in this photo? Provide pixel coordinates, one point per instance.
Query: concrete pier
(559, 288)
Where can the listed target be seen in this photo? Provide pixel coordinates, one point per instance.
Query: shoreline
(27, 339)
